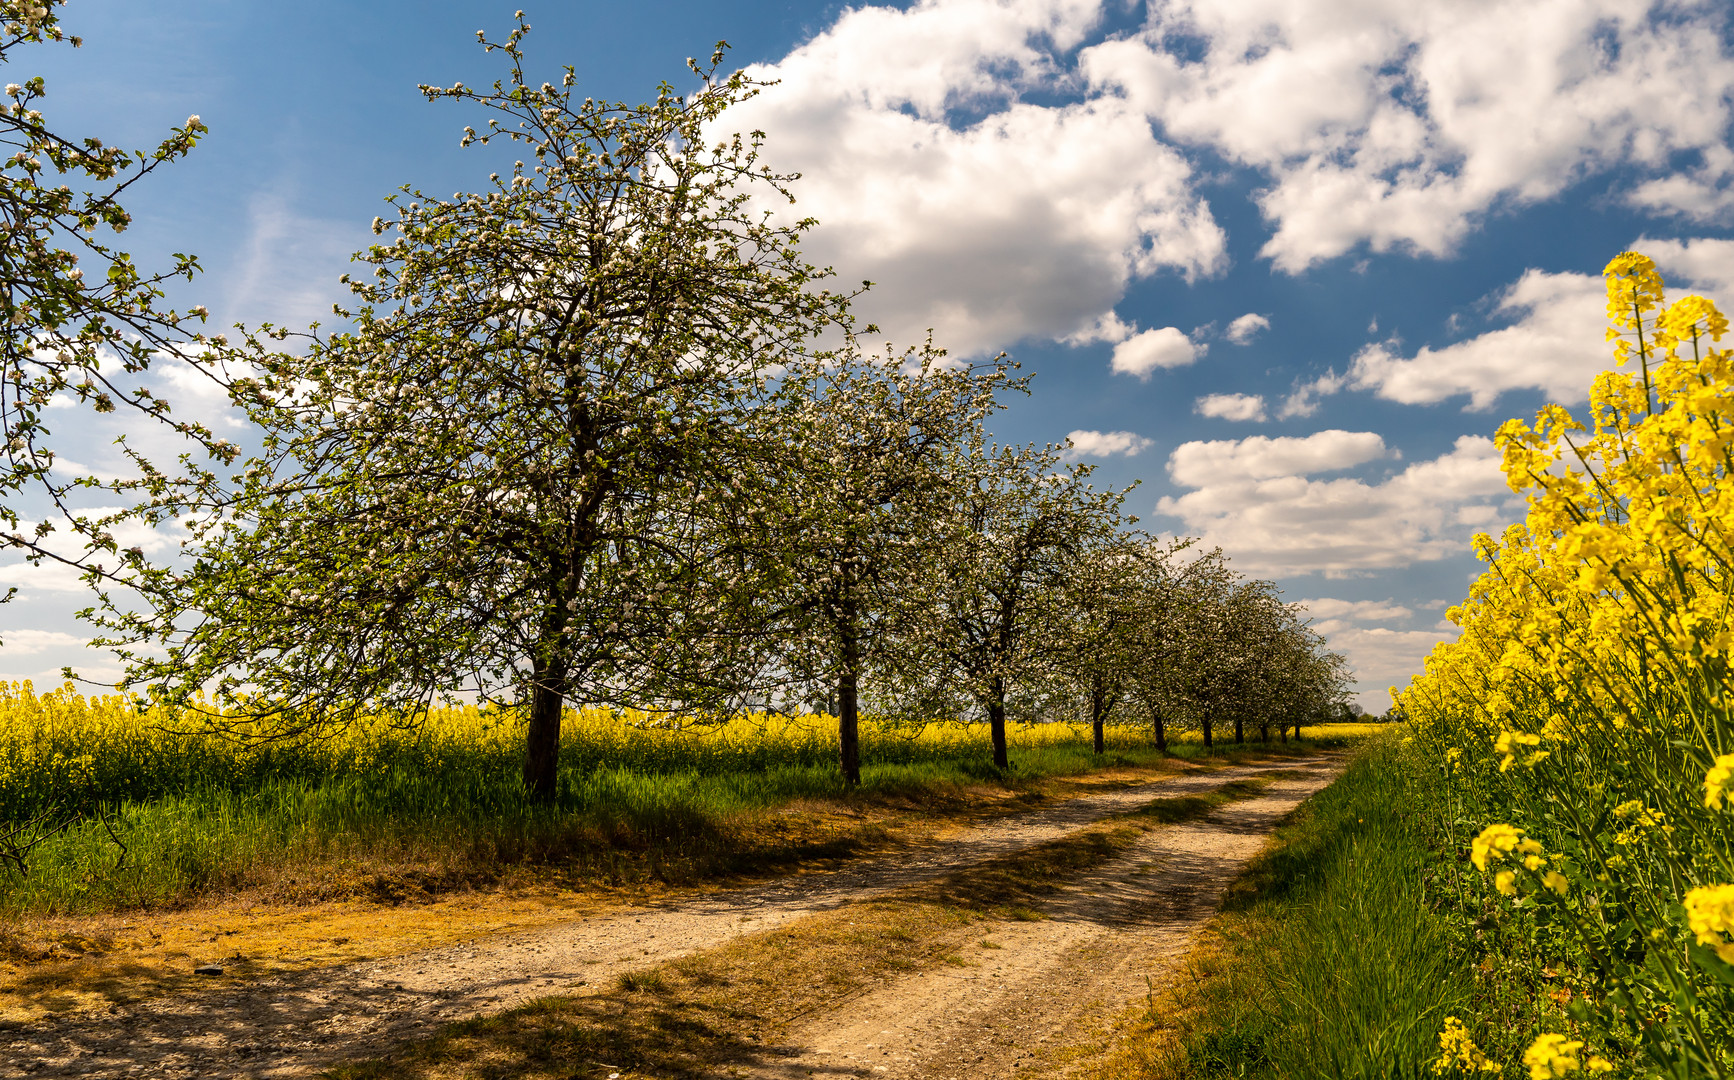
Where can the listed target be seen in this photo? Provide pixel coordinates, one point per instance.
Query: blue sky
(1411, 202)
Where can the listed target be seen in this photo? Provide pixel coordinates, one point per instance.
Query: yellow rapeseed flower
(1508, 744)
(1710, 914)
(1551, 1056)
(1494, 843)
(1691, 314)
(1718, 782)
(1601, 625)
(1642, 818)
(1634, 288)
(1458, 1050)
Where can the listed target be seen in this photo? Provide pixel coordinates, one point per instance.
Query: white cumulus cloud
(983, 217)
(1003, 169)
(51, 576)
(1304, 401)
(1275, 521)
(31, 642)
(1554, 342)
(1107, 443)
(1399, 125)
(1702, 265)
(1381, 658)
(1244, 329)
(1555, 345)
(1231, 461)
(47, 577)
(1143, 353)
(1230, 406)
(1329, 614)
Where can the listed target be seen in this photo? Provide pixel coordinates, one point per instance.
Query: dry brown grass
(725, 1008)
(1143, 1042)
(322, 915)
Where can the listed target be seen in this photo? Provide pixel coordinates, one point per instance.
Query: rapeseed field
(150, 810)
(1580, 733)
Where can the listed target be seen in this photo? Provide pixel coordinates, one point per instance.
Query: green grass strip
(1329, 959)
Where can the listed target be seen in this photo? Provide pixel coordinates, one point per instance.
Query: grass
(1331, 958)
(719, 1009)
(161, 820)
(65, 963)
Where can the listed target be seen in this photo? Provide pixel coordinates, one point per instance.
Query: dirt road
(1039, 983)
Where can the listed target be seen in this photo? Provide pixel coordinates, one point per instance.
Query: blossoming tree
(82, 321)
(1094, 638)
(501, 477)
(879, 449)
(1019, 529)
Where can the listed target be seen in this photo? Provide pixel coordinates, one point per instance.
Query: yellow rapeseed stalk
(1604, 627)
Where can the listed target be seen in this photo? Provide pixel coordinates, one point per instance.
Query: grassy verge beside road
(70, 962)
(1335, 954)
(133, 816)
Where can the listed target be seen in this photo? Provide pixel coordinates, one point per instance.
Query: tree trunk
(1282, 730)
(1098, 699)
(1264, 732)
(542, 741)
(996, 722)
(1207, 743)
(1239, 730)
(848, 695)
(848, 720)
(1158, 731)
(1297, 731)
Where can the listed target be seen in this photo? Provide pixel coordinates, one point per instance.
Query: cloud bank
(984, 217)
(1005, 169)
(1257, 500)
(1397, 125)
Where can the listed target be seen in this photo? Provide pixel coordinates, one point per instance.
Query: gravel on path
(1050, 984)
(292, 1025)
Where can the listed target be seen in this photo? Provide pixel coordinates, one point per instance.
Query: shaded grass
(1329, 960)
(404, 834)
(50, 965)
(725, 1007)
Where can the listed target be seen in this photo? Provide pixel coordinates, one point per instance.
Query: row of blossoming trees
(1585, 718)
(600, 434)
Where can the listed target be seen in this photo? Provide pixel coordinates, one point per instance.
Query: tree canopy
(83, 323)
(599, 434)
(495, 479)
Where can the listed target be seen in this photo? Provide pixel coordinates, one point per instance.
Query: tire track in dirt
(294, 1024)
(1048, 985)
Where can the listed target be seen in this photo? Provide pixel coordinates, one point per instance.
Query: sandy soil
(1106, 932)
(1050, 984)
